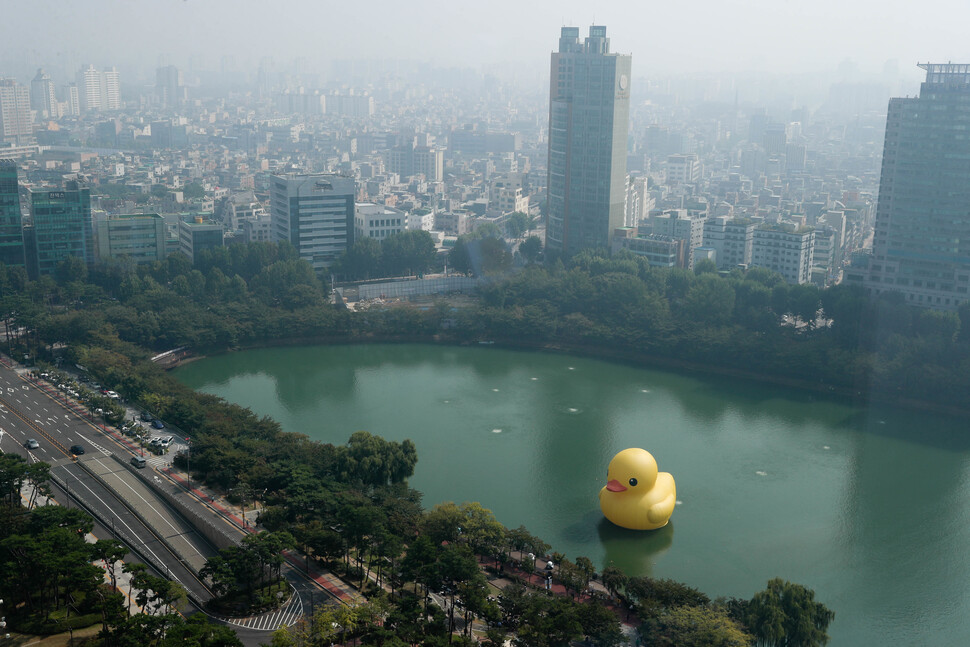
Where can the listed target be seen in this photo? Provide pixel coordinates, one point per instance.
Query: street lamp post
(188, 464)
(3, 625)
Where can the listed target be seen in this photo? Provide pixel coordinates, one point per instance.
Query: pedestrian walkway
(326, 580)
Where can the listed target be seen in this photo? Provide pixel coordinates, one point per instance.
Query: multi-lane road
(122, 503)
(151, 530)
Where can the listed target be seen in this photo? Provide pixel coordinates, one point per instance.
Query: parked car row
(94, 396)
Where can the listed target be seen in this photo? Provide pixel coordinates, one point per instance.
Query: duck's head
(632, 471)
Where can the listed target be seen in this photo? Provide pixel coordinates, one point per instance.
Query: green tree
(407, 252)
(193, 191)
(549, 621)
(362, 261)
(517, 223)
(786, 614)
(601, 624)
(530, 248)
(705, 266)
(695, 626)
(459, 258)
(613, 579)
(710, 301)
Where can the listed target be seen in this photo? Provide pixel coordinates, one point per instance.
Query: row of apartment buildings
(671, 238)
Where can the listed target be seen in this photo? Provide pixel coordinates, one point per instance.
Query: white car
(31, 444)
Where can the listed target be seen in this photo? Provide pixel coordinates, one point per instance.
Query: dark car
(158, 424)
(147, 417)
(77, 450)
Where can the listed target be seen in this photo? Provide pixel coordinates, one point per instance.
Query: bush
(39, 626)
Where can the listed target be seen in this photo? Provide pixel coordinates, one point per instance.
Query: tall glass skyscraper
(589, 113)
(921, 246)
(11, 220)
(62, 225)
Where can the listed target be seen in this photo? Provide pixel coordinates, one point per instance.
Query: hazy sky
(664, 37)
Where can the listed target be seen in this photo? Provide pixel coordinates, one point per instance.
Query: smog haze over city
(734, 230)
(707, 36)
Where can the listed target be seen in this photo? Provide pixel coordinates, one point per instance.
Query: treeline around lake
(349, 507)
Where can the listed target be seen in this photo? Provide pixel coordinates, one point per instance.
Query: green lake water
(869, 508)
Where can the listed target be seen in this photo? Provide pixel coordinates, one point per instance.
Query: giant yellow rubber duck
(636, 495)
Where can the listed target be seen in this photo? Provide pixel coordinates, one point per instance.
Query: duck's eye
(633, 482)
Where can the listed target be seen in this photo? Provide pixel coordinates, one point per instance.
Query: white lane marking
(164, 517)
(134, 535)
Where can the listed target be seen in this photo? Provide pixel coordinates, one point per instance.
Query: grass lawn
(57, 640)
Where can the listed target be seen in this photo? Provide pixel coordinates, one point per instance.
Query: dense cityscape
(801, 239)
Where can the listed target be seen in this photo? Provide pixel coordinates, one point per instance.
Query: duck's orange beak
(615, 486)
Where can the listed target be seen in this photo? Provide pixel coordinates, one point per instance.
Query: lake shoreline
(620, 356)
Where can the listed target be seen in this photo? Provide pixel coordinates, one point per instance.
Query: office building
(258, 229)
(62, 226)
(683, 169)
(507, 194)
(141, 237)
(378, 221)
(301, 102)
(11, 219)
(43, 99)
(731, 239)
(314, 213)
(166, 134)
(659, 250)
(921, 245)
(677, 224)
(785, 250)
(589, 107)
(16, 124)
(196, 234)
(169, 87)
(410, 160)
(350, 105)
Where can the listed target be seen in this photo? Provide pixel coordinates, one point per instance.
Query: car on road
(31, 444)
(138, 462)
(77, 450)
(158, 424)
(166, 441)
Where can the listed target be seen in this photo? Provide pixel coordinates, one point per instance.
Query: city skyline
(753, 36)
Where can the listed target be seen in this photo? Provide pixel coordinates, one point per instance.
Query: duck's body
(637, 496)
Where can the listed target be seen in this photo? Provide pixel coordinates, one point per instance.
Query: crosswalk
(287, 615)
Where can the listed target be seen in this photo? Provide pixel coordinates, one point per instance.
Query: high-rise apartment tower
(98, 90)
(43, 99)
(589, 108)
(16, 123)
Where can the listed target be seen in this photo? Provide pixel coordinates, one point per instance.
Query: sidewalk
(332, 584)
